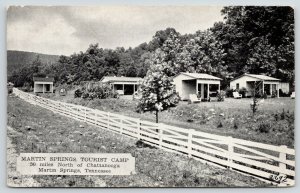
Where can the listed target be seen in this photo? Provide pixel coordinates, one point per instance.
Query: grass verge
(42, 131)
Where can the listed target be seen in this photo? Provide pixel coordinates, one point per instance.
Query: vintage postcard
(150, 96)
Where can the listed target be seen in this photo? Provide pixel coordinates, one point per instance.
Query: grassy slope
(207, 116)
(154, 168)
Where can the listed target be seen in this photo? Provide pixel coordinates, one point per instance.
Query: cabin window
(237, 86)
(118, 87)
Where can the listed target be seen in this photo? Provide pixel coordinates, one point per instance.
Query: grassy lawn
(265, 105)
(52, 133)
(273, 123)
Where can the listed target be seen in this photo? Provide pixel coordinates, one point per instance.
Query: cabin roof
(202, 76)
(258, 76)
(43, 79)
(120, 79)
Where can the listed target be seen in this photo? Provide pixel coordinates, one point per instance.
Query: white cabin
(43, 84)
(265, 84)
(123, 85)
(196, 83)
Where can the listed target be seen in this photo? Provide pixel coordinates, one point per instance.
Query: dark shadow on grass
(141, 144)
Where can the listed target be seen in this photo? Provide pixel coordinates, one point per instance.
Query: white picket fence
(252, 158)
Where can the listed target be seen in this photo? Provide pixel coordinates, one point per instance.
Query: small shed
(43, 84)
(123, 85)
(266, 84)
(196, 83)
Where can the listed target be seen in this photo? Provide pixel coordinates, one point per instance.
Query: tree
(255, 93)
(24, 75)
(263, 58)
(248, 32)
(160, 37)
(169, 51)
(157, 90)
(202, 54)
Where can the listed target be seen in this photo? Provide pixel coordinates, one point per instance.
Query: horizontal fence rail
(269, 162)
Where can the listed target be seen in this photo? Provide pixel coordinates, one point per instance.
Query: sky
(66, 30)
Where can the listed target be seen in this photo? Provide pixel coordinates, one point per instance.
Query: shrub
(235, 124)
(99, 92)
(84, 95)
(254, 105)
(243, 91)
(274, 94)
(221, 95)
(229, 92)
(276, 117)
(114, 94)
(78, 93)
(282, 115)
(265, 96)
(264, 127)
(282, 126)
(27, 87)
(204, 117)
(190, 120)
(220, 125)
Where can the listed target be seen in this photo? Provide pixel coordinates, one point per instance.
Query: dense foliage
(258, 40)
(249, 39)
(99, 92)
(157, 90)
(24, 76)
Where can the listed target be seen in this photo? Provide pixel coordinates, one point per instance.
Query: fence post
(121, 125)
(190, 142)
(95, 118)
(138, 133)
(282, 158)
(108, 117)
(58, 108)
(65, 109)
(160, 134)
(230, 151)
(85, 114)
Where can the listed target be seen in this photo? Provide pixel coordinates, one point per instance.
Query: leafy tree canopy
(250, 39)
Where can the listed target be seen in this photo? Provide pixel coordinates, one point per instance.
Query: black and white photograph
(150, 96)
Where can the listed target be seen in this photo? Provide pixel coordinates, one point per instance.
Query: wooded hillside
(19, 59)
(248, 40)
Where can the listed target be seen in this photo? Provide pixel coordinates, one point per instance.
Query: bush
(99, 92)
(173, 100)
(220, 124)
(265, 96)
(243, 91)
(27, 87)
(221, 95)
(264, 127)
(235, 124)
(274, 94)
(229, 92)
(85, 95)
(254, 105)
(78, 93)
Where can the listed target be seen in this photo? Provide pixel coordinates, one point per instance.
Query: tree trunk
(156, 114)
